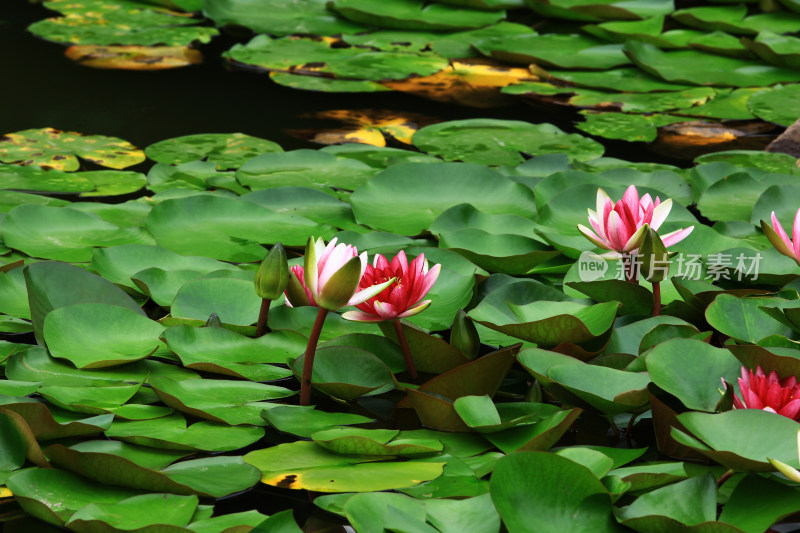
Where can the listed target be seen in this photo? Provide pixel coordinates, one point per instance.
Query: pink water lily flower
(781, 241)
(402, 298)
(330, 277)
(769, 393)
(621, 227)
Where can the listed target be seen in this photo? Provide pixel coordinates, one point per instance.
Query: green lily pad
(173, 433)
(768, 161)
(410, 15)
(664, 506)
(304, 168)
(697, 68)
(51, 148)
(691, 370)
(346, 372)
(35, 364)
(632, 78)
(742, 318)
(777, 104)
(35, 178)
(729, 105)
(146, 510)
(226, 229)
(554, 50)
(356, 441)
(592, 10)
(499, 142)
(233, 300)
(54, 495)
(228, 402)
(305, 17)
(220, 348)
(304, 420)
(90, 400)
(225, 150)
(362, 477)
(724, 438)
(393, 199)
(117, 463)
(47, 422)
(119, 264)
(100, 23)
(606, 389)
(54, 285)
(510, 311)
(306, 202)
(63, 233)
(96, 335)
(484, 416)
(567, 493)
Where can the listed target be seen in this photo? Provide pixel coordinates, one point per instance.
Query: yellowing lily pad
(51, 148)
(367, 126)
(133, 57)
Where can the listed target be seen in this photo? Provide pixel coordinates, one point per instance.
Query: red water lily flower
(400, 299)
(768, 392)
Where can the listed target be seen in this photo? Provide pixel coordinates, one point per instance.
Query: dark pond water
(39, 87)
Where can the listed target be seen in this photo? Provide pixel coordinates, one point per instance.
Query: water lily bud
(341, 286)
(296, 294)
(273, 274)
(654, 257)
(464, 335)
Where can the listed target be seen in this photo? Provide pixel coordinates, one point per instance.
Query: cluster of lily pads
(712, 74)
(136, 394)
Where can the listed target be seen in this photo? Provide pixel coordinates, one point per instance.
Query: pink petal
(380, 262)
(631, 199)
(660, 213)
(776, 225)
(386, 310)
(616, 232)
(796, 234)
(791, 409)
(676, 236)
(360, 316)
(597, 241)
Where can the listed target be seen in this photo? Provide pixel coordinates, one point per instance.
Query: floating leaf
(134, 57)
(51, 148)
(116, 463)
(229, 402)
(95, 335)
(579, 503)
(409, 15)
(356, 441)
(63, 233)
(226, 229)
(173, 433)
(392, 200)
(305, 420)
(499, 142)
(697, 68)
(563, 51)
(347, 372)
(225, 150)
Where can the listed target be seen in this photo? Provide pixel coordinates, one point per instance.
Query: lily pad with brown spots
(52, 148)
(133, 57)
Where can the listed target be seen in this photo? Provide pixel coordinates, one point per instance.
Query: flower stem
(261, 327)
(656, 298)
(401, 338)
(724, 477)
(308, 362)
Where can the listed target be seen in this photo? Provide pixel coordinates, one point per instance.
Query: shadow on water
(40, 87)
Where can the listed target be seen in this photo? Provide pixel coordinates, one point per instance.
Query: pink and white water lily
(620, 227)
(330, 277)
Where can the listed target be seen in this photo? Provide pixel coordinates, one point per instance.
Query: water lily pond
(461, 266)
